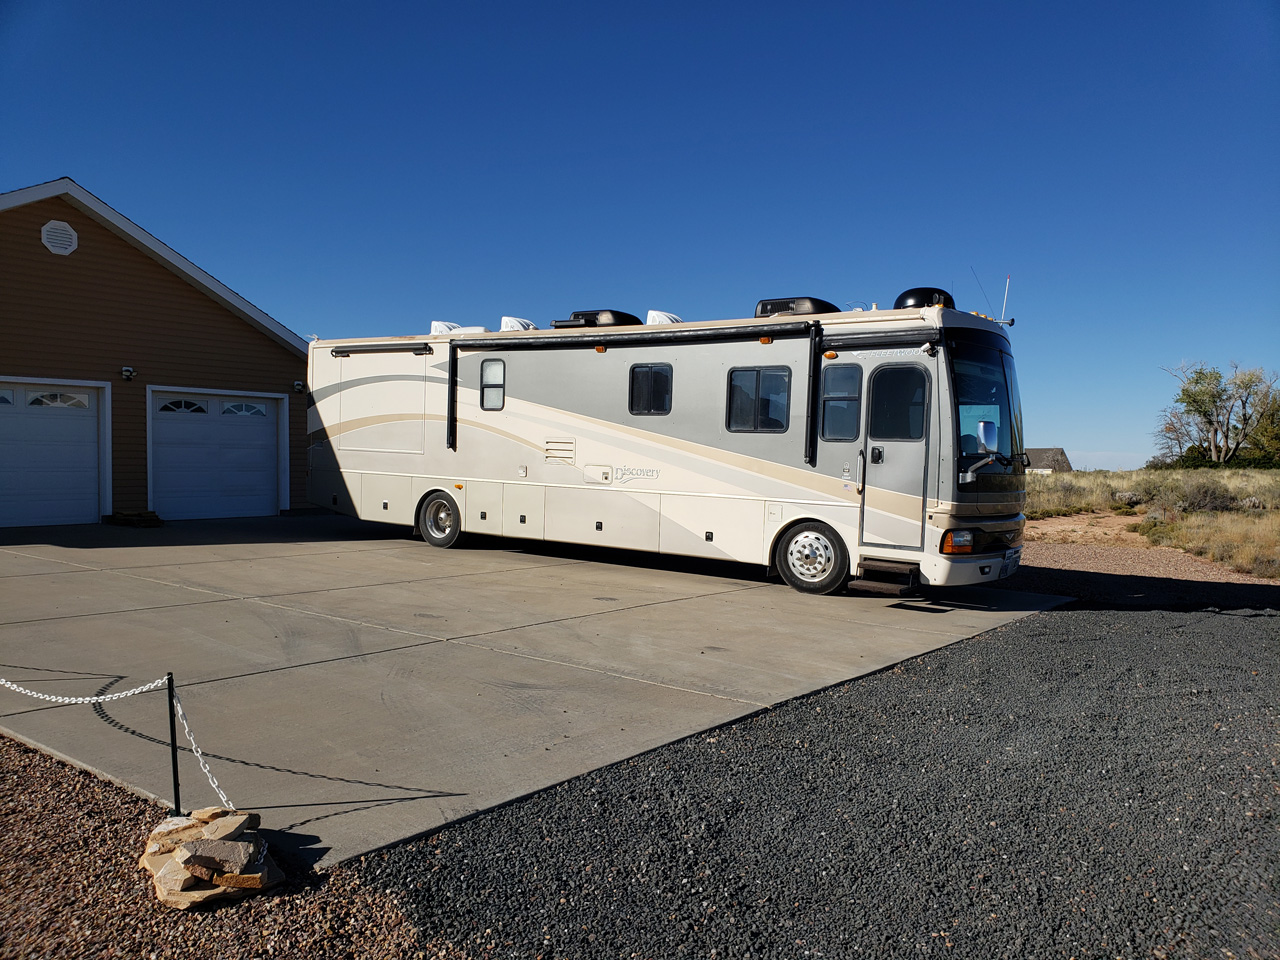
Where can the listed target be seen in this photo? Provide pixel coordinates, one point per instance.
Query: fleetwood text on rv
(828, 444)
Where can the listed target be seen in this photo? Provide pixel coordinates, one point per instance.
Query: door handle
(877, 454)
(862, 470)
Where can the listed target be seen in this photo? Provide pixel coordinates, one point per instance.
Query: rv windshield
(986, 388)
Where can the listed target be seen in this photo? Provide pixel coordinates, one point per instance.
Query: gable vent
(59, 237)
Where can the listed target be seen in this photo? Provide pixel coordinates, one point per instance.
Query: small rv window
(493, 384)
(841, 401)
(650, 393)
(759, 400)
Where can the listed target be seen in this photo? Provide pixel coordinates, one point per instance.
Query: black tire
(439, 521)
(812, 558)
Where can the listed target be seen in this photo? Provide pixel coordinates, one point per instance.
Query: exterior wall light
(128, 373)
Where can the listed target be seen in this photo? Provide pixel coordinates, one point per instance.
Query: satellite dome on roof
(924, 297)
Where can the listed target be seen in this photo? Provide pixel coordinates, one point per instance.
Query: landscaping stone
(267, 875)
(172, 877)
(176, 829)
(207, 814)
(218, 856)
(228, 828)
(226, 856)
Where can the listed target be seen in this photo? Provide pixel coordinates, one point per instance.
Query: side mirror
(988, 437)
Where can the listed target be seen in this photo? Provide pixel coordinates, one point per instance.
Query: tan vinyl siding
(110, 305)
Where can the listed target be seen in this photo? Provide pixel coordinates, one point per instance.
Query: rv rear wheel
(439, 521)
(811, 557)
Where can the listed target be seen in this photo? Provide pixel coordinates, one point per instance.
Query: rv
(825, 444)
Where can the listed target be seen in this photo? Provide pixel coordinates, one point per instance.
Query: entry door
(895, 446)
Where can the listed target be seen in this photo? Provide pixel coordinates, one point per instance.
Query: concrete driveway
(358, 688)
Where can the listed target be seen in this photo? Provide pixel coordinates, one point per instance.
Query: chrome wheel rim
(439, 519)
(810, 556)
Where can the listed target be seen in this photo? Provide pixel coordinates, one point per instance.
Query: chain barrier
(129, 693)
(213, 782)
(103, 699)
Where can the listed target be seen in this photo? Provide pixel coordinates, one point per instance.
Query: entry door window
(899, 402)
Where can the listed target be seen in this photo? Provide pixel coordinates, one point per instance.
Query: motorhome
(825, 444)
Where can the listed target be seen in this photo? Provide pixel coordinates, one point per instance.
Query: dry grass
(1231, 516)
(1246, 541)
(1172, 491)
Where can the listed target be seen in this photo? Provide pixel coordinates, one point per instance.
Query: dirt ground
(1087, 528)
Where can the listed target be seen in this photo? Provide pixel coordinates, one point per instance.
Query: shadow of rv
(1109, 591)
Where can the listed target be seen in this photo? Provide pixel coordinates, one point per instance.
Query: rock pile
(212, 854)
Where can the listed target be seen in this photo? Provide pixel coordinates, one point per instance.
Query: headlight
(958, 541)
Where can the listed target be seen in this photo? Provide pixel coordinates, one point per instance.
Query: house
(1048, 460)
(131, 380)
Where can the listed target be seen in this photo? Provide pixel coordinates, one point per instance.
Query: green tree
(1214, 414)
(1264, 439)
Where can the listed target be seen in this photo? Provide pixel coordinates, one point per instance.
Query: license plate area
(1011, 560)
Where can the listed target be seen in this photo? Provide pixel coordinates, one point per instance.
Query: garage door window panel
(243, 410)
(65, 401)
(183, 406)
(6, 398)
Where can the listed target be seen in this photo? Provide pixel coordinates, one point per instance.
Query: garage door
(48, 454)
(214, 456)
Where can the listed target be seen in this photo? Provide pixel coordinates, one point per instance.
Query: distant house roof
(84, 201)
(1049, 458)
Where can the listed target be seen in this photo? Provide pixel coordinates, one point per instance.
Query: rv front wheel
(812, 558)
(438, 520)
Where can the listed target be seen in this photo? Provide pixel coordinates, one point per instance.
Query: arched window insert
(240, 409)
(183, 406)
(73, 401)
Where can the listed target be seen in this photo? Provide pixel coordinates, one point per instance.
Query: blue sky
(365, 169)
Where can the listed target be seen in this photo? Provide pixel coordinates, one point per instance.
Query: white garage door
(214, 456)
(48, 454)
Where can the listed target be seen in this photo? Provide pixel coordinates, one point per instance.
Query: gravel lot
(1095, 781)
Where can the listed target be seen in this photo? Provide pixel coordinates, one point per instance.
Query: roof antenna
(1006, 295)
(983, 289)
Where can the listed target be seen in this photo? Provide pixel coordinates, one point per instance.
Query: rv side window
(759, 400)
(493, 384)
(650, 389)
(899, 400)
(841, 401)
